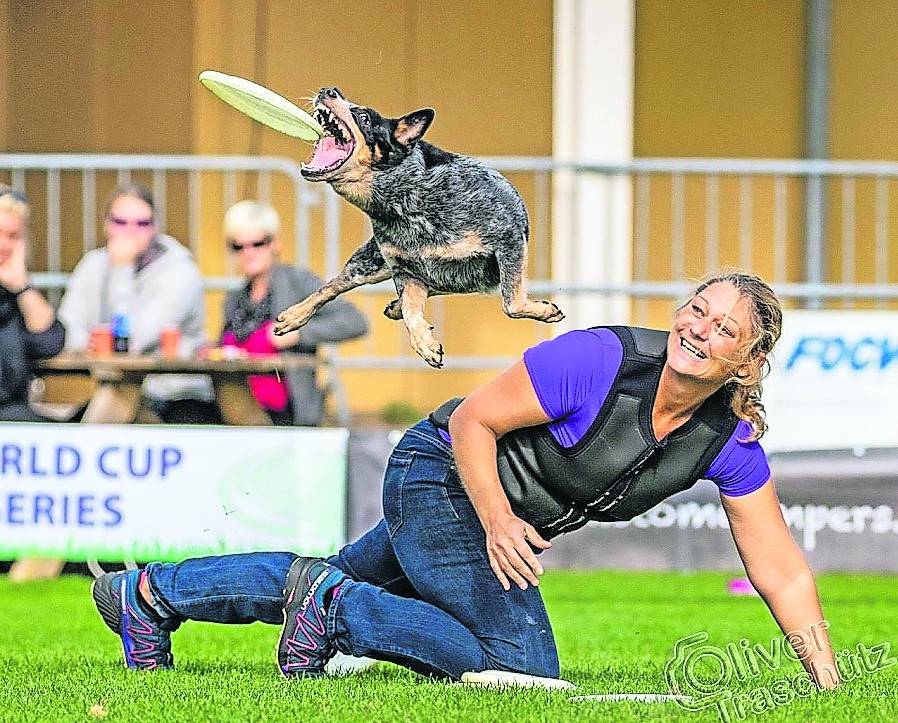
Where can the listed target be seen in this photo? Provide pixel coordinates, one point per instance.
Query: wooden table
(120, 376)
(116, 400)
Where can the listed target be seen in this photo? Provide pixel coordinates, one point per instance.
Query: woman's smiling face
(709, 334)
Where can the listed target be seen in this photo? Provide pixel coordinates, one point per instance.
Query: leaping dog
(443, 222)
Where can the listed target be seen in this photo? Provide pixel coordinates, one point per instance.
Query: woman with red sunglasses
(145, 281)
(251, 229)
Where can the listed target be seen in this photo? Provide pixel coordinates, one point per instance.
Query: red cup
(101, 343)
(169, 341)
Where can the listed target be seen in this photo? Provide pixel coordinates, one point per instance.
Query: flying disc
(342, 664)
(263, 105)
(505, 679)
(638, 697)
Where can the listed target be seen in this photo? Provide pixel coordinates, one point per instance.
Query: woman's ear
(750, 367)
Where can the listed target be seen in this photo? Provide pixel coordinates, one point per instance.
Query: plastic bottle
(121, 332)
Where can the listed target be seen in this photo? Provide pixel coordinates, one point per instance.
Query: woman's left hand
(510, 555)
(13, 270)
(779, 572)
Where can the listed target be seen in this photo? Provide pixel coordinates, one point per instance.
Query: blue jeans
(423, 594)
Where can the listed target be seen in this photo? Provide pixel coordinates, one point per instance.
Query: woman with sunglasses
(152, 281)
(251, 229)
(29, 329)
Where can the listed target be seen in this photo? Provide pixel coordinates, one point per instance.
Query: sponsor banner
(841, 508)
(834, 382)
(164, 493)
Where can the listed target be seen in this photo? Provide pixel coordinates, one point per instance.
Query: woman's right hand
(13, 270)
(508, 540)
(123, 249)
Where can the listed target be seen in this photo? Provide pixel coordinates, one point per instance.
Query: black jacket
(19, 348)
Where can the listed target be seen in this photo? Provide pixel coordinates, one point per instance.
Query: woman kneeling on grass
(597, 424)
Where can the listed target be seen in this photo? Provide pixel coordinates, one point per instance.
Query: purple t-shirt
(572, 375)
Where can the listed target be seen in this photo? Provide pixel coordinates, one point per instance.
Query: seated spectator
(29, 329)
(153, 281)
(251, 229)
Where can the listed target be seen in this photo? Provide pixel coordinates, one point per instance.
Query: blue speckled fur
(444, 223)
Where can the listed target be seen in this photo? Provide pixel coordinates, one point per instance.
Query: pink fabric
(266, 389)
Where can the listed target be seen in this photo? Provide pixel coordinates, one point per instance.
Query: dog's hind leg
(366, 266)
(412, 297)
(512, 259)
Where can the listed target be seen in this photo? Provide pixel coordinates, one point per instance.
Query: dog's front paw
(293, 317)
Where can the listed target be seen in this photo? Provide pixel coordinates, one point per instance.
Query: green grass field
(615, 632)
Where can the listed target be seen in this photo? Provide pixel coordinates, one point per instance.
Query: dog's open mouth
(333, 148)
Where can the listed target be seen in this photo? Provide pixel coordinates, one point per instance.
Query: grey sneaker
(304, 648)
(146, 644)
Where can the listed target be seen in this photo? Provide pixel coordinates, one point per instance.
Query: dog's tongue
(328, 153)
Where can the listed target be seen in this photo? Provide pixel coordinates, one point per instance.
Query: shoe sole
(294, 576)
(105, 602)
(111, 614)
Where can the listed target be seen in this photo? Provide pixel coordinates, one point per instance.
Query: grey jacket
(166, 292)
(336, 321)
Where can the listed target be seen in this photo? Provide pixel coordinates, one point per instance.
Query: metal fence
(43, 176)
(688, 216)
(768, 204)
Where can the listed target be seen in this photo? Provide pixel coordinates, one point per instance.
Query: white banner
(834, 383)
(164, 493)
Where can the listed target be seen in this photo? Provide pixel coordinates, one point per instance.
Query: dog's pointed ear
(412, 126)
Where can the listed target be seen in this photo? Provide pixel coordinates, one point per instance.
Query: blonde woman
(251, 231)
(29, 329)
(596, 424)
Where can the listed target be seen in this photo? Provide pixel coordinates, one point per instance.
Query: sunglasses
(139, 222)
(237, 248)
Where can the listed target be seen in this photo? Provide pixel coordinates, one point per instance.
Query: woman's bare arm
(779, 572)
(507, 402)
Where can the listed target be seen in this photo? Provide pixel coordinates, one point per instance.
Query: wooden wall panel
(4, 72)
(719, 78)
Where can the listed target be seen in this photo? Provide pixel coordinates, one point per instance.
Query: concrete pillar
(593, 120)
(818, 28)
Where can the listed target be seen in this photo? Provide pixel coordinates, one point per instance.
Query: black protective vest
(618, 469)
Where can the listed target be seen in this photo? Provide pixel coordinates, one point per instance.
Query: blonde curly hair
(753, 362)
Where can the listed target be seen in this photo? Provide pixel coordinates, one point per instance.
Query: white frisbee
(342, 664)
(504, 679)
(638, 697)
(263, 105)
